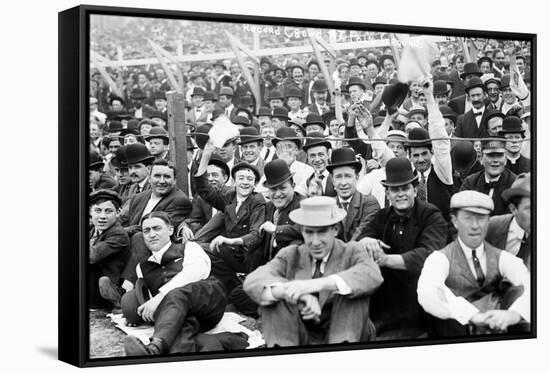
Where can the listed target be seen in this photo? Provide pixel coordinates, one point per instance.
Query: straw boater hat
(319, 211)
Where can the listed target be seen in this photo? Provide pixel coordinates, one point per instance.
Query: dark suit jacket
(175, 204)
(200, 215)
(349, 261)
(425, 231)
(105, 182)
(109, 252)
(466, 125)
(522, 165)
(497, 233)
(246, 222)
(458, 104)
(329, 188)
(477, 182)
(361, 211)
(359, 146)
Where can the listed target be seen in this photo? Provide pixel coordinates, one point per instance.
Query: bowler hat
(94, 160)
(276, 173)
(217, 161)
(265, 59)
(511, 124)
(355, 80)
(248, 135)
(475, 83)
(297, 125)
(394, 95)
(492, 113)
(157, 114)
(484, 59)
(123, 115)
(313, 61)
(505, 81)
(294, 92)
(129, 131)
(138, 94)
(317, 140)
(280, 112)
(217, 112)
(470, 68)
(226, 91)
(157, 133)
(198, 91)
(328, 116)
(353, 62)
(245, 165)
(276, 68)
(119, 160)
(463, 156)
(114, 126)
(318, 211)
(320, 85)
(241, 120)
(116, 98)
(343, 157)
(201, 135)
(473, 201)
(284, 133)
(132, 300)
(296, 66)
(313, 118)
(398, 172)
(132, 124)
(372, 62)
(446, 78)
(275, 94)
(107, 194)
(440, 87)
(138, 153)
(210, 96)
(447, 112)
(379, 80)
(220, 64)
(521, 187)
(264, 111)
(420, 138)
(385, 57)
(159, 95)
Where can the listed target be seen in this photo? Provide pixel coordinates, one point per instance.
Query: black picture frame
(73, 159)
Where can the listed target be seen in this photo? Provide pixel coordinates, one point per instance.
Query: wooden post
(395, 50)
(114, 87)
(178, 143)
(327, 74)
(465, 50)
(175, 81)
(473, 51)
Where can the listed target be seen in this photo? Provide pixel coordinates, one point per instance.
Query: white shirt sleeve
(513, 269)
(196, 266)
(342, 287)
(436, 298)
(443, 165)
(138, 271)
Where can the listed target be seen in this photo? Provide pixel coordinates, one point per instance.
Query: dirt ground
(106, 340)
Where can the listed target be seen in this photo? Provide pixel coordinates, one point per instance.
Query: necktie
(478, 113)
(345, 205)
(138, 189)
(317, 273)
(525, 251)
(421, 192)
(276, 216)
(479, 273)
(267, 154)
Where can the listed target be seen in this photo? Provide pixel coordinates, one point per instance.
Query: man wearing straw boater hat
(317, 292)
(399, 238)
(469, 286)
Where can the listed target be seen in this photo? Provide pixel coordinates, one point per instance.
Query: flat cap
(494, 145)
(105, 194)
(473, 201)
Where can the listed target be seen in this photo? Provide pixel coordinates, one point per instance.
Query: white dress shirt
(438, 300)
(196, 266)
(153, 201)
(441, 160)
(514, 237)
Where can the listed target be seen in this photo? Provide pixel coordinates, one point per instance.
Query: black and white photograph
(265, 186)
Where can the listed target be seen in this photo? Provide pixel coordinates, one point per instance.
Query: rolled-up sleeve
(443, 165)
(513, 269)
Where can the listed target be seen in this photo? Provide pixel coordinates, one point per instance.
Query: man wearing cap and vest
(232, 250)
(472, 123)
(495, 177)
(317, 292)
(461, 285)
(512, 232)
(360, 209)
(109, 246)
(399, 238)
(173, 291)
(514, 133)
(432, 159)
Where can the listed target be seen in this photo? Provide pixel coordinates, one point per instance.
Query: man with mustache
(318, 157)
(495, 176)
(399, 238)
(251, 147)
(472, 123)
(237, 234)
(514, 133)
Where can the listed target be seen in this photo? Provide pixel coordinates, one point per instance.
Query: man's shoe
(134, 347)
(110, 291)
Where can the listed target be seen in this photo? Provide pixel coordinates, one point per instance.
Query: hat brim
(316, 220)
(221, 164)
(470, 73)
(244, 165)
(508, 194)
(355, 164)
(324, 143)
(504, 132)
(477, 210)
(398, 183)
(296, 141)
(269, 185)
(141, 160)
(249, 139)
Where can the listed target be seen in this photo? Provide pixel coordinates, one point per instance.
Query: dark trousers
(186, 311)
(225, 264)
(343, 320)
(95, 300)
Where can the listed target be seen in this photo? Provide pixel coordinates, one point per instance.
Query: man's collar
(468, 250)
(493, 179)
(515, 229)
(156, 257)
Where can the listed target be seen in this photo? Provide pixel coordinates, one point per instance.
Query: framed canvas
(246, 185)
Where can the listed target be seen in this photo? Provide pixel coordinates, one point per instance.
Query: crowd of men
(381, 210)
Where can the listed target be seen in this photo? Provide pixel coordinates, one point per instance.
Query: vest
(156, 275)
(462, 282)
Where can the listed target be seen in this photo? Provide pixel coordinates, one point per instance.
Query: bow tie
(394, 218)
(478, 113)
(491, 184)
